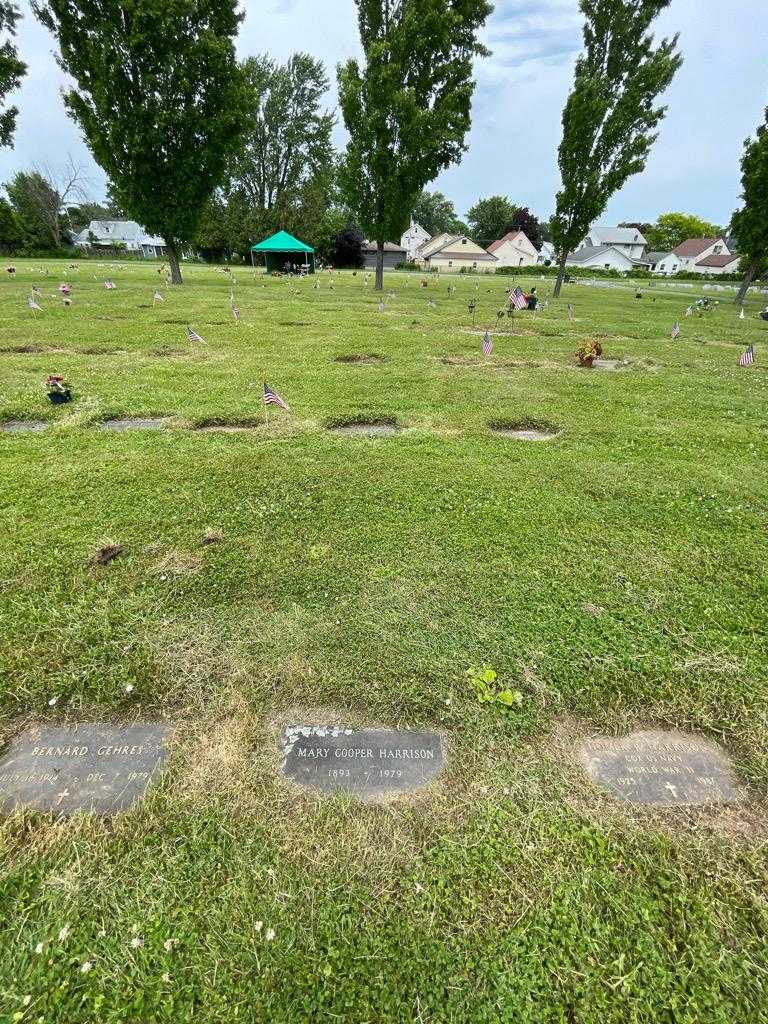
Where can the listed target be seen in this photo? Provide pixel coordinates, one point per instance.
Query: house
(125, 234)
(393, 254)
(452, 252)
(663, 263)
(629, 241)
(414, 237)
(514, 250)
(601, 257)
(547, 255)
(720, 264)
(693, 250)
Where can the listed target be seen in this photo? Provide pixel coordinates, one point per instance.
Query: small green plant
(484, 682)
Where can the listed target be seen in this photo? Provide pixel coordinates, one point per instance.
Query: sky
(716, 100)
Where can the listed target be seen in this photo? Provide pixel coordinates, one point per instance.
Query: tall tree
(10, 229)
(12, 69)
(407, 109)
(160, 99)
(435, 213)
(524, 220)
(750, 224)
(40, 198)
(671, 229)
(610, 116)
(288, 136)
(488, 218)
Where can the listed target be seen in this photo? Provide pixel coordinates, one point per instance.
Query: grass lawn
(614, 574)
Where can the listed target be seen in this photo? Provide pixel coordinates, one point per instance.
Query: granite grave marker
(84, 767)
(365, 762)
(660, 768)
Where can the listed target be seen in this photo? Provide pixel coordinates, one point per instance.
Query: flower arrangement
(58, 390)
(587, 352)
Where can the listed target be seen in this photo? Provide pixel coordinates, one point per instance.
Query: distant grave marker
(133, 423)
(367, 763)
(86, 767)
(366, 428)
(660, 768)
(23, 426)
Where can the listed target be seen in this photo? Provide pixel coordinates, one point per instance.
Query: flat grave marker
(84, 767)
(23, 426)
(666, 769)
(133, 423)
(368, 763)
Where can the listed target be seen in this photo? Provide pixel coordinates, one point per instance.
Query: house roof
(436, 242)
(463, 254)
(510, 236)
(588, 252)
(388, 247)
(118, 230)
(617, 236)
(693, 247)
(281, 241)
(657, 257)
(717, 261)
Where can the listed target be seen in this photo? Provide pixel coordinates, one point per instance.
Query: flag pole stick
(264, 399)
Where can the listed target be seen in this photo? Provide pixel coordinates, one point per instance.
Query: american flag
(570, 311)
(676, 330)
(193, 335)
(272, 398)
(33, 305)
(741, 314)
(381, 306)
(236, 313)
(157, 298)
(518, 299)
(748, 357)
(109, 285)
(689, 311)
(487, 343)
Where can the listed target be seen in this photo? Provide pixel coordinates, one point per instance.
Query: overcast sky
(716, 100)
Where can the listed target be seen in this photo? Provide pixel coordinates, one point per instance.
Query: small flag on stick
(34, 306)
(748, 357)
(570, 311)
(236, 314)
(193, 336)
(741, 314)
(517, 298)
(676, 331)
(271, 397)
(487, 343)
(157, 298)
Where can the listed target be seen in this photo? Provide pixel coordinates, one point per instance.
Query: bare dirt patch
(371, 357)
(524, 429)
(380, 426)
(107, 553)
(23, 426)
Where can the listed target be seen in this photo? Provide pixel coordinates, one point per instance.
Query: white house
(718, 264)
(663, 263)
(414, 237)
(630, 241)
(693, 250)
(601, 257)
(452, 252)
(547, 254)
(515, 249)
(125, 233)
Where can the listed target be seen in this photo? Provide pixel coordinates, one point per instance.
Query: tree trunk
(173, 260)
(748, 279)
(379, 267)
(560, 276)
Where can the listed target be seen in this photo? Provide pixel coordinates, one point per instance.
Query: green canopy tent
(282, 248)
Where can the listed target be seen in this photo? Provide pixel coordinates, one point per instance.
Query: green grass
(614, 574)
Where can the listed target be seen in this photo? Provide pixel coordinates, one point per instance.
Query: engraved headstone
(85, 767)
(365, 762)
(660, 768)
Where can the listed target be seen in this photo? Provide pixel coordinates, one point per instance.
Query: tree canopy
(39, 199)
(407, 108)
(287, 141)
(436, 214)
(611, 114)
(524, 220)
(750, 223)
(672, 229)
(160, 99)
(489, 218)
(12, 70)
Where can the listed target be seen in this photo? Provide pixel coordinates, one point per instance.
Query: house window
(463, 241)
(718, 249)
(450, 263)
(474, 264)
(607, 266)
